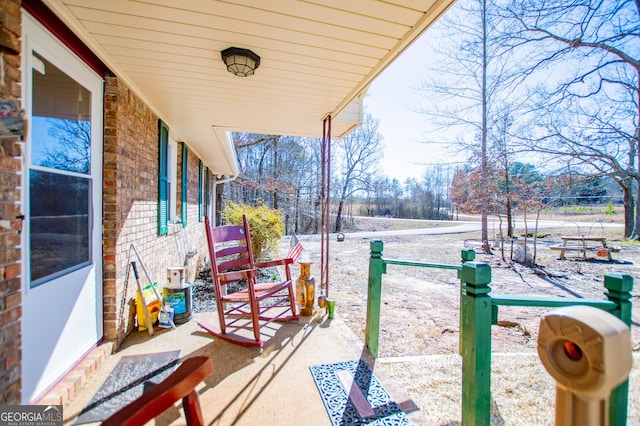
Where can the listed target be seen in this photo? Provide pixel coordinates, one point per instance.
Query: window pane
(61, 120)
(59, 224)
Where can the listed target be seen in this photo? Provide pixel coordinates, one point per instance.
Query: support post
(466, 255)
(619, 287)
(377, 267)
(325, 204)
(475, 314)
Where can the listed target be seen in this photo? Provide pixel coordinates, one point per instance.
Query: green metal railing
(479, 311)
(377, 267)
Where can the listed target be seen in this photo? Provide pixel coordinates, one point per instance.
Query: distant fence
(479, 311)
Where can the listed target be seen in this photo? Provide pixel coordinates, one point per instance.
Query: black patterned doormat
(353, 396)
(131, 376)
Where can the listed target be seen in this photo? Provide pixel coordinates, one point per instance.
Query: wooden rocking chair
(181, 384)
(231, 261)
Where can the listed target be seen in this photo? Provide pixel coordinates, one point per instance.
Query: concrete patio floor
(248, 386)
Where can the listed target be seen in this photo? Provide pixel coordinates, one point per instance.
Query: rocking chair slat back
(228, 233)
(230, 265)
(231, 251)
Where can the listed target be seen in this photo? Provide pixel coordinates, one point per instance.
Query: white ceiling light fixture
(240, 62)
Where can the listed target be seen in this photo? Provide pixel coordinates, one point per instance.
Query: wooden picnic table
(582, 244)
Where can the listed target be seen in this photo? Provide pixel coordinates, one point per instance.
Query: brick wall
(10, 260)
(130, 207)
(194, 232)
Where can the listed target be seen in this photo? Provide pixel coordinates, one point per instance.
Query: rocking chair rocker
(231, 261)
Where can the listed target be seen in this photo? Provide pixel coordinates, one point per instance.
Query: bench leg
(564, 243)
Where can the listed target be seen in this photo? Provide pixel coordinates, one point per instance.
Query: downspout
(224, 137)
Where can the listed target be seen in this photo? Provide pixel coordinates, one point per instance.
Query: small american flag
(295, 248)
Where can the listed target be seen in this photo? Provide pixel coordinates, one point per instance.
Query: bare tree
(503, 154)
(588, 111)
(72, 150)
(358, 154)
(436, 187)
(281, 171)
(467, 88)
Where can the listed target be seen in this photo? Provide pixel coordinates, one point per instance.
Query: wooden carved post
(377, 267)
(475, 312)
(305, 270)
(619, 287)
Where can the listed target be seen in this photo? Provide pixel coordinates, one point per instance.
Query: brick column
(10, 225)
(130, 164)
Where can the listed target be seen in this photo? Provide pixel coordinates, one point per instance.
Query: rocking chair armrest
(237, 275)
(181, 384)
(275, 262)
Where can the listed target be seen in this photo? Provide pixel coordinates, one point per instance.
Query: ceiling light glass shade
(240, 62)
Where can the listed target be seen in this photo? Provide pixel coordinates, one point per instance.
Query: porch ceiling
(317, 58)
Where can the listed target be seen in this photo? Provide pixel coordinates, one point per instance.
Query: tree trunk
(219, 190)
(535, 238)
(636, 158)
(509, 218)
(338, 227)
(635, 221)
(317, 215)
(484, 207)
(296, 212)
(501, 237)
(274, 172)
(629, 213)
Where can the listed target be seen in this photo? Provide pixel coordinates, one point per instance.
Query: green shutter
(185, 179)
(163, 178)
(207, 197)
(200, 194)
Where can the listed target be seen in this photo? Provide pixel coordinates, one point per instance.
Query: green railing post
(475, 313)
(467, 255)
(377, 267)
(619, 287)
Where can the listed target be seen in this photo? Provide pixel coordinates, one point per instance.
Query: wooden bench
(580, 244)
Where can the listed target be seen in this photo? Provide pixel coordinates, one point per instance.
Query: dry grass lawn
(420, 312)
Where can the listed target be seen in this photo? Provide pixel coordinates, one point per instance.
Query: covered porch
(161, 80)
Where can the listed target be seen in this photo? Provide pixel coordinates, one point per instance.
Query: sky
(393, 100)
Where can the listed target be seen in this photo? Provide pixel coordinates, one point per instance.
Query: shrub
(576, 210)
(265, 225)
(610, 210)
